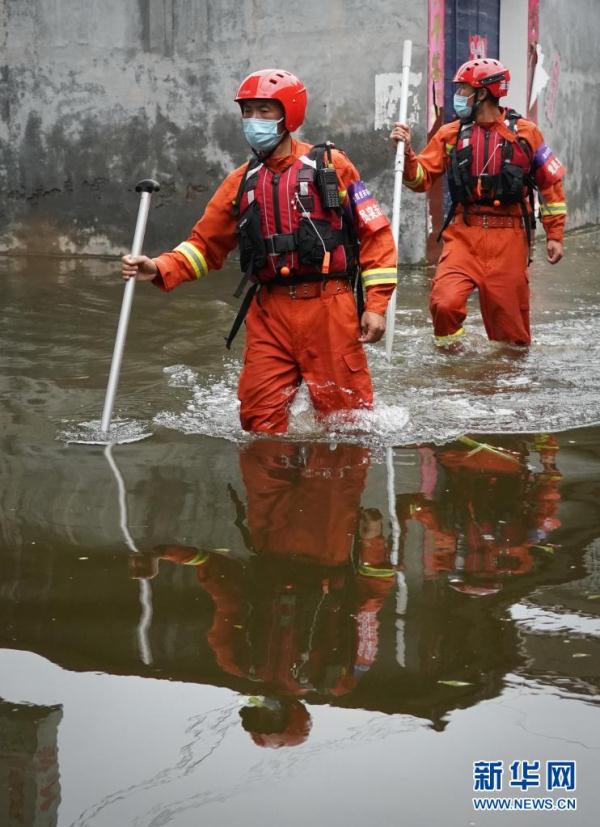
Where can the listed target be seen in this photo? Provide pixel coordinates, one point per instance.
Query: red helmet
(484, 73)
(279, 85)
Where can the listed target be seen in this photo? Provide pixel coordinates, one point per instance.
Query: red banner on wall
(478, 46)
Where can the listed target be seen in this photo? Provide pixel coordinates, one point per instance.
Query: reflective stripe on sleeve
(194, 257)
(416, 181)
(559, 208)
(379, 275)
(198, 559)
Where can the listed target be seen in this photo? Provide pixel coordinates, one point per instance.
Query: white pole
(401, 588)
(146, 187)
(145, 588)
(391, 492)
(398, 173)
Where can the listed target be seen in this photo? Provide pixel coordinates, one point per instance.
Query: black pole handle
(147, 185)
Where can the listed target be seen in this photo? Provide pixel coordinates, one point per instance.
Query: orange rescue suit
(302, 613)
(491, 252)
(499, 512)
(294, 333)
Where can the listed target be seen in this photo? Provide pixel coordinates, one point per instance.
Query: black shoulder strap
(252, 164)
(319, 151)
(465, 130)
(512, 116)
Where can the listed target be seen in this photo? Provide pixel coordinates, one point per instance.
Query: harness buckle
(304, 290)
(309, 290)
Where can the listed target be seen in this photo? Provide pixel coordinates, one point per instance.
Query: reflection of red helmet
(515, 560)
(484, 73)
(286, 724)
(550, 524)
(279, 85)
(142, 566)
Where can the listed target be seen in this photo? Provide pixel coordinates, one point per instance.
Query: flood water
(330, 628)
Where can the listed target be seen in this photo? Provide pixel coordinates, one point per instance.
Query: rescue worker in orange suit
(304, 221)
(494, 159)
(492, 517)
(298, 613)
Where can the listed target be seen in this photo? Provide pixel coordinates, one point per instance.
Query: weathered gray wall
(569, 106)
(97, 94)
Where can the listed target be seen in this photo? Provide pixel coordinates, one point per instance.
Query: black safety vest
(292, 227)
(510, 185)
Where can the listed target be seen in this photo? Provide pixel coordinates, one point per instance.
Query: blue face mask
(261, 133)
(461, 105)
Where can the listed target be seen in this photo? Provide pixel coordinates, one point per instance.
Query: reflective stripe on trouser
(494, 261)
(288, 340)
(376, 577)
(443, 341)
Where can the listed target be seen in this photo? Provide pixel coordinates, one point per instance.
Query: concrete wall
(569, 105)
(96, 94)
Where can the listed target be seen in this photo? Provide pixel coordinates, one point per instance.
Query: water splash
(213, 410)
(428, 395)
(91, 433)
(213, 407)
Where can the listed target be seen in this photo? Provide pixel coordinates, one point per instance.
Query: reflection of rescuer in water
(492, 516)
(298, 615)
(304, 221)
(494, 159)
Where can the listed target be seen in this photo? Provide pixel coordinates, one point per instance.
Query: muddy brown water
(330, 628)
